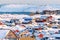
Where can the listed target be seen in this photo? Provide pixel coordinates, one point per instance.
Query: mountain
(27, 8)
(18, 8)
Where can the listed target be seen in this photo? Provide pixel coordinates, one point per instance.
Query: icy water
(15, 13)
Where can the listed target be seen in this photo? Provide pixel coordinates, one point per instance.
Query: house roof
(56, 35)
(44, 17)
(27, 18)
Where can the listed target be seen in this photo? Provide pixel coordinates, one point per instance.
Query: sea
(28, 13)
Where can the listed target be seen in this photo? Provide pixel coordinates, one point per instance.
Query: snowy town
(36, 26)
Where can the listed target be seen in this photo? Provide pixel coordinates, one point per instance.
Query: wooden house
(7, 34)
(58, 12)
(50, 12)
(27, 38)
(24, 37)
(46, 12)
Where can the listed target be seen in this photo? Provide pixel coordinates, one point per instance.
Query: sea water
(15, 13)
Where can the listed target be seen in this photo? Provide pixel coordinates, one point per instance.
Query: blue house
(27, 20)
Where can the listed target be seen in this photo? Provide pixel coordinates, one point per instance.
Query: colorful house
(25, 36)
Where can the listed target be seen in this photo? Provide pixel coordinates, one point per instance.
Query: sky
(31, 2)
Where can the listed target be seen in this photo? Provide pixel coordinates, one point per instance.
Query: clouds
(31, 2)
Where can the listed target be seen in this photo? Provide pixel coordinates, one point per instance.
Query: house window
(9, 36)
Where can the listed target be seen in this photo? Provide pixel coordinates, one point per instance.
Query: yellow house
(22, 37)
(26, 38)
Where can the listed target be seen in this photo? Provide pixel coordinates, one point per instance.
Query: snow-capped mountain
(18, 8)
(27, 8)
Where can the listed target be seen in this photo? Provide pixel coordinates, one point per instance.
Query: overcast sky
(31, 2)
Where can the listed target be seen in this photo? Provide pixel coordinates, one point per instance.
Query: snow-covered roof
(56, 35)
(17, 27)
(3, 33)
